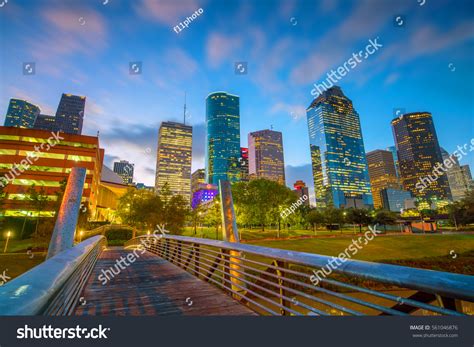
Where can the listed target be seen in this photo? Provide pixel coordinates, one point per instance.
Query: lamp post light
(6, 242)
(80, 235)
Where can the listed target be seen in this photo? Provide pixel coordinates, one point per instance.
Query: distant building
(144, 187)
(198, 177)
(45, 122)
(223, 137)
(266, 155)
(458, 182)
(382, 174)
(111, 189)
(125, 170)
(21, 114)
(301, 190)
(467, 175)
(340, 173)
(393, 150)
(173, 162)
(395, 199)
(418, 156)
(70, 114)
(204, 194)
(244, 164)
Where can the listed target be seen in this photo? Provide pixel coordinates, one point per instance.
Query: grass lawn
(382, 247)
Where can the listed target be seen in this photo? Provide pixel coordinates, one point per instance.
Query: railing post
(196, 259)
(281, 283)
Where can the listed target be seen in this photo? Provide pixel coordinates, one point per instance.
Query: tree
(261, 201)
(212, 216)
(315, 217)
(196, 216)
(333, 216)
(39, 201)
(359, 216)
(384, 217)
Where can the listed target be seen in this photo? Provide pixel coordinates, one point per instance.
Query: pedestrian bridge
(177, 275)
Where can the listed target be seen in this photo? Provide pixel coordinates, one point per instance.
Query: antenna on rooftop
(184, 114)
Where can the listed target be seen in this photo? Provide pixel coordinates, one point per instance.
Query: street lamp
(6, 242)
(80, 235)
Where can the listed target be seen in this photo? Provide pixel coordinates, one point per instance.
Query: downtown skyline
(128, 109)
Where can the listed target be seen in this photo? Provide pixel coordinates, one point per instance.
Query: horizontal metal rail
(274, 281)
(54, 286)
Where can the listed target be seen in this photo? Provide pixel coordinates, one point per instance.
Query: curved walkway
(151, 286)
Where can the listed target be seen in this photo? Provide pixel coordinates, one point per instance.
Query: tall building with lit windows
(382, 174)
(418, 154)
(458, 184)
(70, 114)
(266, 155)
(223, 137)
(27, 158)
(339, 164)
(21, 114)
(173, 162)
(125, 170)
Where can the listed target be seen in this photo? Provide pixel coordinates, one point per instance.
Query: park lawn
(382, 248)
(15, 264)
(22, 245)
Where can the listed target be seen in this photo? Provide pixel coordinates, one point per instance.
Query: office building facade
(395, 199)
(382, 174)
(244, 164)
(70, 114)
(45, 122)
(266, 155)
(393, 150)
(27, 158)
(301, 191)
(338, 158)
(418, 156)
(125, 170)
(198, 177)
(173, 163)
(21, 114)
(223, 137)
(458, 183)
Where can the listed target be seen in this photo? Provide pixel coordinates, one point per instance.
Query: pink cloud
(221, 47)
(169, 12)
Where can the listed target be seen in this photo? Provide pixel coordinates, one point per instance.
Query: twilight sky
(85, 47)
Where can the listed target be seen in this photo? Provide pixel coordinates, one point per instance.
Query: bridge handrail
(35, 291)
(442, 285)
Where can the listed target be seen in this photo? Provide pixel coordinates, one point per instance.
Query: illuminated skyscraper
(223, 137)
(418, 155)
(382, 174)
(45, 122)
(125, 170)
(266, 155)
(244, 164)
(340, 174)
(301, 191)
(21, 114)
(70, 114)
(173, 162)
(458, 184)
(393, 150)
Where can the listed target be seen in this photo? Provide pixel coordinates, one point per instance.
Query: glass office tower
(266, 155)
(418, 154)
(174, 156)
(223, 137)
(70, 114)
(21, 114)
(340, 173)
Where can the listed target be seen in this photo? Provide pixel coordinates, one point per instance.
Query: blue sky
(85, 47)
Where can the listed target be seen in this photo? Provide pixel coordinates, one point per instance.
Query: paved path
(152, 286)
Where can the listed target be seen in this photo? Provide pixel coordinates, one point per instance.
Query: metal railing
(54, 286)
(278, 282)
